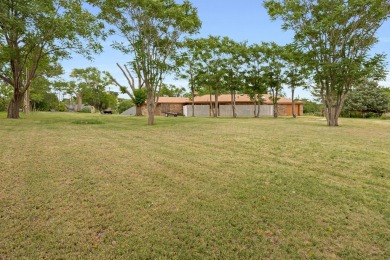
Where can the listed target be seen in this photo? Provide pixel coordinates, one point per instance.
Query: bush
(87, 109)
(385, 117)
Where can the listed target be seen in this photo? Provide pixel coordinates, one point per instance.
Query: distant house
(244, 106)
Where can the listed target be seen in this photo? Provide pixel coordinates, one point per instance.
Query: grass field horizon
(97, 186)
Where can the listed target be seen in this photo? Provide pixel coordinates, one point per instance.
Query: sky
(241, 20)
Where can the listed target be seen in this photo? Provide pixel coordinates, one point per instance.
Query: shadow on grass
(88, 122)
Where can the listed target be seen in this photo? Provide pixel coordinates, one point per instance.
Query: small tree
(256, 83)
(273, 73)
(189, 65)
(296, 73)
(234, 77)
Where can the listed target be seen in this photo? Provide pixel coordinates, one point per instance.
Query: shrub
(86, 110)
(385, 117)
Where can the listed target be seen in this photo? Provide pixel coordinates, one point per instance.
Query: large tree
(34, 30)
(152, 30)
(337, 35)
(91, 84)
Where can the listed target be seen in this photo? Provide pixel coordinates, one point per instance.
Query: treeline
(329, 53)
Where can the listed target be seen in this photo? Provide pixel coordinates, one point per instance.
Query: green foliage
(87, 109)
(124, 105)
(386, 91)
(171, 91)
(385, 116)
(336, 35)
(91, 86)
(311, 107)
(45, 102)
(152, 31)
(367, 97)
(5, 96)
(139, 97)
(36, 33)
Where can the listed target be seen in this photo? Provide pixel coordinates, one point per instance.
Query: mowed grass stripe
(113, 187)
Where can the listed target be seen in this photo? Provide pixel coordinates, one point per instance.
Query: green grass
(107, 186)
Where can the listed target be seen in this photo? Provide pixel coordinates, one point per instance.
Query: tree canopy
(336, 35)
(152, 30)
(37, 30)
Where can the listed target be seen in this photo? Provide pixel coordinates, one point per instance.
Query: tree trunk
(259, 101)
(150, 104)
(138, 110)
(275, 101)
(233, 96)
(332, 119)
(216, 107)
(254, 108)
(293, 103)
(275, 110)
(79, 102)
(193, 103)
(211, 103)
(14, 105)
(333, 107)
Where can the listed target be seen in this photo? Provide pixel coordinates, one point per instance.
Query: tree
(41, 97)
(367, 97)
(311, 107)
(213, 71)
(234, 77)
(153, 30)
(273, 72)
(171, 91)
(256, 83)
(37, 30)
(91, 85)
(189, 65)
(137, 94)
(5, 96)
(387, 93)
(337, 36)
(295, 71)
(60, 87)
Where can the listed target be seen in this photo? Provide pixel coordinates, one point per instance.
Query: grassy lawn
(107, 186)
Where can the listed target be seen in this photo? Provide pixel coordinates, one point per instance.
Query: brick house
(244, 106)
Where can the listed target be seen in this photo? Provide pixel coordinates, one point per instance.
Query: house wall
(245, 110)
(162, 108)
(286, 110)
(200, 110)
(224, 110)
(227, 111)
